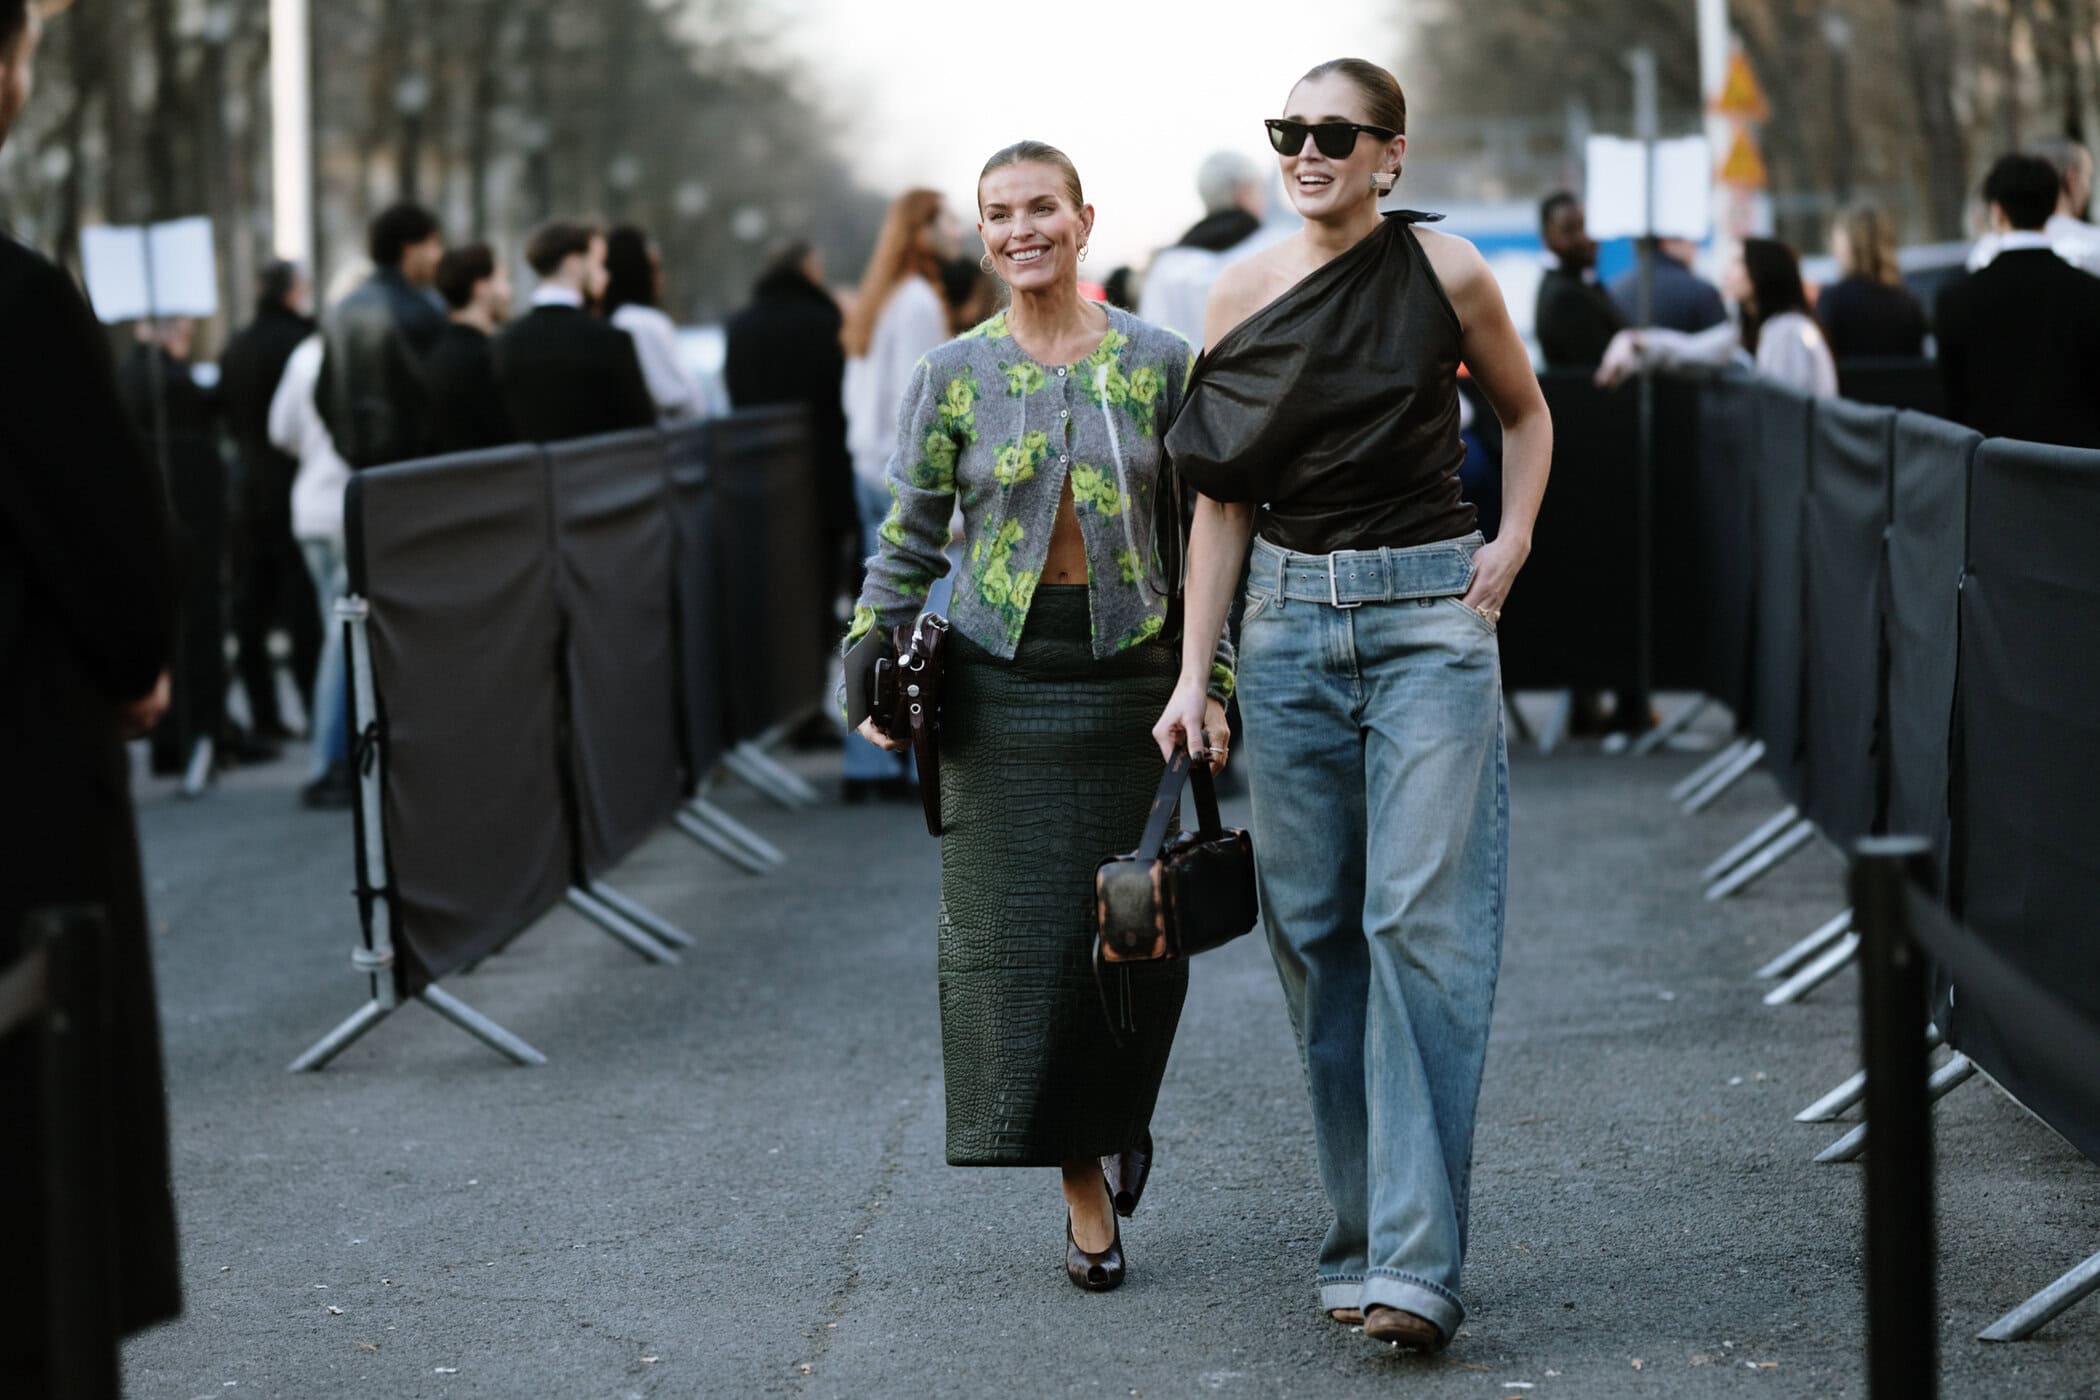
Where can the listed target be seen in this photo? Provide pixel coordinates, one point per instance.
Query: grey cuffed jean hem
(1388, 1288)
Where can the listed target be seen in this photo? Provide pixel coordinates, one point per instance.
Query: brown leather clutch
(1174, 899)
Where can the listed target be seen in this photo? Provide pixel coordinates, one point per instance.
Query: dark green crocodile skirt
(1047, 768)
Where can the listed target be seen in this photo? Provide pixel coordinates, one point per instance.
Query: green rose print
(1144, 632)
(1024, 377)
(1128, 567)
(935, 470)
(892, 531)
(958, 407)
(993, 329)
(1222, 681)
(863, 624)
(994, 583)
(1094, 489)
(1016, 462)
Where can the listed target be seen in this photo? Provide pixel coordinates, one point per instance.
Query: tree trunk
(1928, 54)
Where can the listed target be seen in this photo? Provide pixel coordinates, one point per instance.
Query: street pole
(1713, 76)
(291, 133)
(1646, 128)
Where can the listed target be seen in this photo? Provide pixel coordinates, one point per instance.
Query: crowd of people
(416, 353)
(2017, 339)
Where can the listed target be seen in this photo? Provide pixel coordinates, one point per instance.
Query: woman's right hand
(876, 737)
(1182, 721)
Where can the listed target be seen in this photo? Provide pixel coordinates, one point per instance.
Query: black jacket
(1864, 320)
(566, 374)
(86, 622)
(2020, 350)
(1576, 321)
(466, 408)
(371, 392)
(248, 375)
(784, 348)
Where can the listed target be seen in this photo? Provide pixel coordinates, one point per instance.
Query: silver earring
(985, 262)
(1082, 252)
(1383, 181)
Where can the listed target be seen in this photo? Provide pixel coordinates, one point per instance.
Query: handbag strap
(1180, 769)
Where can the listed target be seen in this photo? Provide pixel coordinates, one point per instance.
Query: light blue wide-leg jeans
(1381, 827)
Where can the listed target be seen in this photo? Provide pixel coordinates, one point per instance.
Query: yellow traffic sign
(1744, 166)
(1740, 96)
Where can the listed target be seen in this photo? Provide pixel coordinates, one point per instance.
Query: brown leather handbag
(1175, 899)
(907, 702)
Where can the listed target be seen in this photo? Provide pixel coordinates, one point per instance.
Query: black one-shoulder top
(1335, 407)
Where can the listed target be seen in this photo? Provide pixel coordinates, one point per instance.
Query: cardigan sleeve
(912, 545)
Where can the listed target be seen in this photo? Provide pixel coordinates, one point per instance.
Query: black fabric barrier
(1928, 547)
(1681, 584)
(1912, 384)
(765, 494)
(1779, 487)
(700, 600)
(2027, 844)
(453, 557)
(1722, 518)
(612, 535)
(1842, 535)
(1571, 617)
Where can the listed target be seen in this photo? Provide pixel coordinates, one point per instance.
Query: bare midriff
(1066, 562)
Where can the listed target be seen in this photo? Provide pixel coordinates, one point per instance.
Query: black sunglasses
(1335, 139)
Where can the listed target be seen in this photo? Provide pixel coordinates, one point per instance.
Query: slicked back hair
(1384, 103)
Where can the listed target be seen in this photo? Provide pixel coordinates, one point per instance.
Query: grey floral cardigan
(990, 427)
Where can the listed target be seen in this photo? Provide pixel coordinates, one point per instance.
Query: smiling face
(1321, 188)
(1030, 227)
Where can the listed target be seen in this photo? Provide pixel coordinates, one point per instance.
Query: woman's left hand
(1172, 730)
(1495, 567)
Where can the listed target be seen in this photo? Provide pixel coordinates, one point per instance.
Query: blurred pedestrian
(634, 288)
(467, 411)
(270, 583)
(180, 423)
(563, 372)
(2073, 239)
(1773, 331)
(2019, 341)
(1122, 288)
(87, 614)
(296, 427)
(1234, 195)
(1576, 318)
(1683, 300)
(1043, 426)
(1868, 313)
(371, 389)
(783, 348)
(898, 316)
(972, 293)
(1370, 679)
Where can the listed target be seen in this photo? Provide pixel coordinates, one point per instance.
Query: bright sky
(1137, 92)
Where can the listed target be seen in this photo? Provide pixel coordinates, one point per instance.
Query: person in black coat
(270, 582)
(1684, 301)
(564, 373)
(86, 621)
(2019, 340)
(1868, 314)
(371, 392)
(1576, 319)
(784, 348)
(467, 411)
(183, 436)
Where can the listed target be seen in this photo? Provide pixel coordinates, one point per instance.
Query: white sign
(158, 270)
(1617, 202)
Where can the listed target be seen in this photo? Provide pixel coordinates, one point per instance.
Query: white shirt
(913, 321)
(1790, 351)
(677, 393)
(1177, 285)
(296, 427)
(555, 294)
(2072, 239)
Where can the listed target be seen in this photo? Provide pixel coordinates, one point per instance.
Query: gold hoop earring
(985, 263)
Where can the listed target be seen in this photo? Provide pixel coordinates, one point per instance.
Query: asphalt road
(728, 1179)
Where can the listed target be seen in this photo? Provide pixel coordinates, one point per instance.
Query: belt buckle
(1334, 589)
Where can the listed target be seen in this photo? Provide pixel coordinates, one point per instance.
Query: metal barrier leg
(1834, 961)
(1727, 778)
(1945, 1080)
(662, 929)
(720, 844)
(618, 925)
(1670, 728)
(2034, 1314)
(479, 1026)
(1843, 1099)
(1764, 863)
(1766, 833)
(724, 834)
(1559, 720)
(375, 959)
(1702, 775)
(1807, 948)
(758, 768)
(196, 774)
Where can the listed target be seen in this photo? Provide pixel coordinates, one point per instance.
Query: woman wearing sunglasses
(1370, 684)
(1044, 425)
